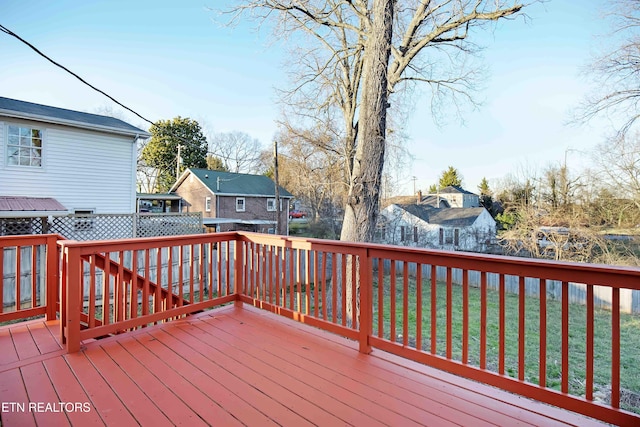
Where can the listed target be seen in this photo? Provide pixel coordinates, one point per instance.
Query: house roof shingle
(428, 200)
(44, 113)
(451, 217)
(453, 189)
(229, 183)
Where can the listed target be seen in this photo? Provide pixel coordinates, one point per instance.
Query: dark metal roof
(236, 183)
(157, 196)
(26, 205)
(44, 113)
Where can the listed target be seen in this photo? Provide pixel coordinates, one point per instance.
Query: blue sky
(165, 59)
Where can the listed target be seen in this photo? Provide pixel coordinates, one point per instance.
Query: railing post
(238, 269)
(51, 276)
(366, 290)
(71, 308)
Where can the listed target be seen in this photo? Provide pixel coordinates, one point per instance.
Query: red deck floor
(239, 366)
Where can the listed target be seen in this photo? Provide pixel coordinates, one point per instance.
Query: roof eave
(31, 214)
(82, 125)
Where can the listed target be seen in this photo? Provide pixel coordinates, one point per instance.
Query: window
(456, 237)
(271, 205)
(402, 233)
(441, 239)
(415, 234)
(448, 236)
(240, 204)
(207, 204)
(24, 146)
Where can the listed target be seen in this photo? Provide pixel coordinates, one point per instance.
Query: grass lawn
(629, 326)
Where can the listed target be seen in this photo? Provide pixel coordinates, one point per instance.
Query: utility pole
(275, 178)
(178, 161)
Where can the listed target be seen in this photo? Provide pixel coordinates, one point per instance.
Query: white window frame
(271, 205)
(24, 145)
(207, 204)
(244, 204)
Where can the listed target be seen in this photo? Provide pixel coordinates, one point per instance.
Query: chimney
(419, 196)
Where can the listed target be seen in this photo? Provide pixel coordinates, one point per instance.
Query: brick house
(232, 201)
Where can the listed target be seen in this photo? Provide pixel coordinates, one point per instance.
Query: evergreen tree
(161, 152)
(451, 177)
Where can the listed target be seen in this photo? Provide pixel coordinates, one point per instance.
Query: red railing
(28, 277)
(483, 317)
(114, 286)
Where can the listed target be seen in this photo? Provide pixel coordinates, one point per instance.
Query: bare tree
(239, 152)
(356, 45)
(616, 73)
(311, 170)
(619, 163)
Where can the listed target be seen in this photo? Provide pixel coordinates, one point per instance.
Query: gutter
(31, 214)
(138, 133)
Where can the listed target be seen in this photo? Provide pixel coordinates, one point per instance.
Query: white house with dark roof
(421, 225)
(85, 163)
(457, 197)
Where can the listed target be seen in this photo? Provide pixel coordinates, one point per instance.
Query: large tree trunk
(366, 173)
(362, 204)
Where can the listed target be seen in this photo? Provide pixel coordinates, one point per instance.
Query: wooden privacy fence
(629, 298)
(525, 343)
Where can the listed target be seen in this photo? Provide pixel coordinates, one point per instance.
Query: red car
(297, 214)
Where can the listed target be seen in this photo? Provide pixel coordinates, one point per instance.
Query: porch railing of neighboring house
(397, 299)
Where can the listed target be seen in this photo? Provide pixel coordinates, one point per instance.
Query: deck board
(201, 403)
(387, 409)
(101, 397)
(303, 384)
(23, 341)
(13, 392)
(243, 366)
(162, 396)
(44, 340)
(8, 353)
(70, 391)
(362, 387)
(469, 407)
(138, 402)
(41, 391)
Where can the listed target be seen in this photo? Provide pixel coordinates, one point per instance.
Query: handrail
(46, 286)
(133, 299)
(434, 307)
(399, 283)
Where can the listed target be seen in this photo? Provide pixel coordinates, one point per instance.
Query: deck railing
(114, 286)
(28, 277)
(401, 300)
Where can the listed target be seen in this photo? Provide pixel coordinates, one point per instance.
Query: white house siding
(82, 169)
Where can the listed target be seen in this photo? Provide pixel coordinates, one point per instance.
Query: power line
(57, 64)
(35, 49)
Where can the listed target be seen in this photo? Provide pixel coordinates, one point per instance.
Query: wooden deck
(239, 366)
